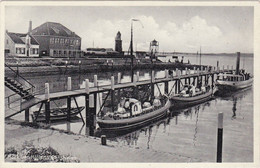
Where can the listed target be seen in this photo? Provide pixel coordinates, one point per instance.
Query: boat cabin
(232, 77)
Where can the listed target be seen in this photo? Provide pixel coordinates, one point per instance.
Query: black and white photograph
(129, 82)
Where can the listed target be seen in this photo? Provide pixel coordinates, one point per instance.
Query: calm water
(189, 132)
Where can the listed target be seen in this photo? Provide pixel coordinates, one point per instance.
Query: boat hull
(233, 85)
(183, 102)
(135, 122)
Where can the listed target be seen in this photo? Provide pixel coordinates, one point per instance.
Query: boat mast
(200, 55)
(131, 53)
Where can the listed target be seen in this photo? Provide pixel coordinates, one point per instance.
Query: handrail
(19, 75)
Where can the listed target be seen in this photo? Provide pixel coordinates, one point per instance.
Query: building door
(28, 52)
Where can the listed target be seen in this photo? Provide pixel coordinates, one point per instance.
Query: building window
(61, 41)
(51, 40)
(54, 52)
(69, 52)
(37, 51)
(59, 52)
(23, 50)
(71, 41)
(66, 41)
(65, 52)
(56, 40)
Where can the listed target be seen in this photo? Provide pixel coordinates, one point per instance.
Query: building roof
(53, 29)
(16, 38)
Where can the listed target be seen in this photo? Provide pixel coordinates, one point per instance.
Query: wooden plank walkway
(81, 92)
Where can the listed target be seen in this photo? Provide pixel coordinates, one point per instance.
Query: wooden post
(166, 73)
(119, 78)
(194, 69)
(103, 140)
(69, 100)
(27, 114)
(47, 103)
(179, 85)
(186, 71)
(176, 86)
(212, 81)
(87, 103)
(189, 80)
(112, 92)
(220, 137)
(177, 71)
(137, 76)
(135, 87)
(152, 84)
(95, 103)
(185, 81)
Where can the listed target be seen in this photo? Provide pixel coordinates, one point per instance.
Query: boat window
(135, 108)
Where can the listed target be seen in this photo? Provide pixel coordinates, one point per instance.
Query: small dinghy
(56, 114)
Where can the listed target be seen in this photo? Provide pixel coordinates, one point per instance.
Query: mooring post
(112, 92)
(103, 140)
(47, 103)
(87, 103)
(27, 114)
(177, 71)
(220, 137)
(198, 70)
(166, 83)
(186, 71)
(137, 76)
(119, 77)
(185, 81)
(212, 81)
(69, 100)
(95, 102)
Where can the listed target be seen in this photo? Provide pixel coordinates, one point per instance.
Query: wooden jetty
(189, 76)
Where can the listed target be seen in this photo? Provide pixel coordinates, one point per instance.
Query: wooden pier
(180, 77)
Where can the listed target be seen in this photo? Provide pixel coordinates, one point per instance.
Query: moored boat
(232, 82)
(131, 114)
(56, 114)
(190, 96)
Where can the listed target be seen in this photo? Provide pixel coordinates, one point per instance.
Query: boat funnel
(238, 63)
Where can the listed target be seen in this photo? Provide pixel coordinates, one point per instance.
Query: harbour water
(190, 132)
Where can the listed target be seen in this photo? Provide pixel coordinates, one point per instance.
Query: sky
(177, 28)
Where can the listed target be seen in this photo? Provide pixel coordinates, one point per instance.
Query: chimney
(30, 27)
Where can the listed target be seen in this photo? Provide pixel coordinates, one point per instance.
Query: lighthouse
(118, 42)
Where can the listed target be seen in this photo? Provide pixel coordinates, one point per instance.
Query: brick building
(56, 40)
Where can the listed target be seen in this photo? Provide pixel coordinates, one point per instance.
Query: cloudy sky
(181, 29)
